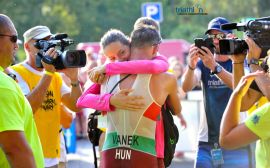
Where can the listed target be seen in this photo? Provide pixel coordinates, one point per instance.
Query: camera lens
(71, 59)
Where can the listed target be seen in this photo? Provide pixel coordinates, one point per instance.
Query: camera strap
(93, 117)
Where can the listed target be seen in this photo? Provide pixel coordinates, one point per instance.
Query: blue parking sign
(152, 10)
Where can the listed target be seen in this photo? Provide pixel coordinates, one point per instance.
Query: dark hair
(145, 36)
(146, 21)
(113, 35)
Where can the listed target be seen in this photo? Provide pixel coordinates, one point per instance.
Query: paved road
(83, 158)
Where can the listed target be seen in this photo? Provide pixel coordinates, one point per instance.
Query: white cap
(36, 33)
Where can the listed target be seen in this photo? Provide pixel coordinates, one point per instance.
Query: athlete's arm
(157, 65)
(91, 98)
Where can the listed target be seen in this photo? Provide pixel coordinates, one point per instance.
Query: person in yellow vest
(45, 91)
(19, 142)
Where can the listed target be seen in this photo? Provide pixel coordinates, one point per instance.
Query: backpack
(171, 134)
(93, 131)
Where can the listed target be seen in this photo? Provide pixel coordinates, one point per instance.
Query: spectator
(256, 127)
(45, 91)
(19, 141)
(214, 72)
(177, 69)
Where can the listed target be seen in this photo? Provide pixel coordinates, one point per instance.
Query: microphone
(229, 26)
(59, 36)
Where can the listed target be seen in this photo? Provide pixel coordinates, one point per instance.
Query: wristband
(238, 62)
(49, 73)
(189, 67)
(76, 84)
(253, 61)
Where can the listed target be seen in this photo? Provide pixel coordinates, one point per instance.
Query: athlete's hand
(97, 74)
(122, 100)
(182, 120)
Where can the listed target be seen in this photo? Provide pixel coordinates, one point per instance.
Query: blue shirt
(216, 96)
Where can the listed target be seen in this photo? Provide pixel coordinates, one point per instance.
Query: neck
(140, 54)
(32, 63)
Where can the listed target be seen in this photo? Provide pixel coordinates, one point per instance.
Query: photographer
(256, 127)
(252, 58)
(214, 72)
(45, 91)
(259, 86)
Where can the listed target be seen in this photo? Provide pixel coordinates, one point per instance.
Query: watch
(253, 61)
(75, 84)
(217, 70)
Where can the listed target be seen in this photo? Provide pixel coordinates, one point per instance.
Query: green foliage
(88, 20)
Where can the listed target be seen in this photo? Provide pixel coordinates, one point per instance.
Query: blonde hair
(146, 21)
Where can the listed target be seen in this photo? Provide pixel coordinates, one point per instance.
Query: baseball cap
(215, 24)
(37, 33)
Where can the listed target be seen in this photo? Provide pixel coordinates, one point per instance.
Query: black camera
(258, 30)
(65, 58)
(206, 42)
(232, 46)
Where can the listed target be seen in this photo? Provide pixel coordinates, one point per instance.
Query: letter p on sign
(152, 10)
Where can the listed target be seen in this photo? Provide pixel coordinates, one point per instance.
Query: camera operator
(259, 87)
(256, 127)
(45, 91)
(214, 72)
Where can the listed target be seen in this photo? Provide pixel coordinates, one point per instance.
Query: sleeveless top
(130, 135)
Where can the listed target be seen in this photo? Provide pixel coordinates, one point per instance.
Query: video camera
(206, 42)
(258, 30)
(65, 58)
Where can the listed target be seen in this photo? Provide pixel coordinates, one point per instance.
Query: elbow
(226, 143)
(12, 151)
(223, 143)
(79, 104)
(66, 124)
(75, 108)
(185, 88)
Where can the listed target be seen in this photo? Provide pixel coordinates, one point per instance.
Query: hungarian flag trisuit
(130, 135)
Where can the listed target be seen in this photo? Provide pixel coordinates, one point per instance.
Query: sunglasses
(13, 76)
(217, 36)
(12, 38)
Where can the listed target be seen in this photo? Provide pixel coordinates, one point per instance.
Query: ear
(26, 46)
(155, 49)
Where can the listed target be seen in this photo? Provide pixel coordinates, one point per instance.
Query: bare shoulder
(162, 85)
(165, 77)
